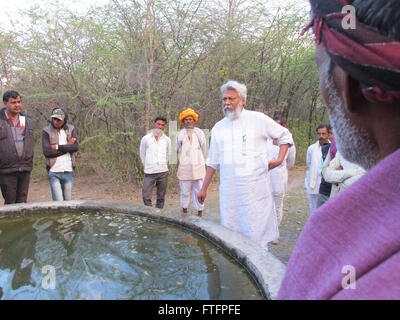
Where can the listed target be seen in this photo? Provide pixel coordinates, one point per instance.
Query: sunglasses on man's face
(58, 120)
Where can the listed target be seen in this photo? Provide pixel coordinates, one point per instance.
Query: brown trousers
(14, 187)
(160, 180)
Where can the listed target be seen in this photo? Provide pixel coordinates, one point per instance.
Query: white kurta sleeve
(143, 150)
(333, 174)
(309, 154)
(213, 153)
(179, 139)
(168, 148)
(276, 131)
(202, 140)
(291, 157)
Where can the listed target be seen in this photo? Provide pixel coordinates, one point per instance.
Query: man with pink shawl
(350, 247)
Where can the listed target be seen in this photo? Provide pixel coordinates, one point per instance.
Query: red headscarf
(367, 55)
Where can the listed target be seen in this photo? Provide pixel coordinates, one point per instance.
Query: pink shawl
(360, 227)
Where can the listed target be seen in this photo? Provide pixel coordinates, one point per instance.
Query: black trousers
(160, 180)
(14, 187)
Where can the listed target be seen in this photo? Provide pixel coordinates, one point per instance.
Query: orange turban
(188, 113)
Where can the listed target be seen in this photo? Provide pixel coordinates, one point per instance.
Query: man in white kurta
(191, 148)
(312, 180)
(279, 175)
(342, 173)
(239, 148)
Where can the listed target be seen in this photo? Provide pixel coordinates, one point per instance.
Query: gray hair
(240, 88)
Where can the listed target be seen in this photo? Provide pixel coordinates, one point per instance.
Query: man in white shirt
(60, 143)
(191, 148)
(314, 157)
(239, 149)
(279, 175)
(155, 149)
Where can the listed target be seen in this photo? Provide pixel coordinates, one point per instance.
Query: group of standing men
(239, 148)
(358, 230)
(59, 142)
(328, 172)
(155, 150)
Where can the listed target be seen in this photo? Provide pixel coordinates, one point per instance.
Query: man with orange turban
(191, 149)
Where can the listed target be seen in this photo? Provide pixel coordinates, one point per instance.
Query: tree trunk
(149, 58)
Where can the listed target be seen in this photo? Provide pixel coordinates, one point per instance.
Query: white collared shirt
(155, 154)
(64, 162)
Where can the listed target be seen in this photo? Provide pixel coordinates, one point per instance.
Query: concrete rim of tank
(265, 268)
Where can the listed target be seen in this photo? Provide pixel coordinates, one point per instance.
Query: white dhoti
(247, 206)
(191, 186)
(313, 201)
(278, 201)
(279, 178)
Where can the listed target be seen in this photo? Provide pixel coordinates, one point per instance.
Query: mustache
(225, 108)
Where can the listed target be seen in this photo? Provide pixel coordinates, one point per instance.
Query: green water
(113, 256)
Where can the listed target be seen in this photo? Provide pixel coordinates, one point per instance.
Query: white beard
(232, 115)
(157, 132)
(352, 142)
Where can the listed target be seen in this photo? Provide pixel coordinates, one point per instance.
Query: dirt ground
(98, 188)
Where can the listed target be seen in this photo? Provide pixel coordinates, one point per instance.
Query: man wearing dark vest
(325, 187)
(16, 149)
(60, 142)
